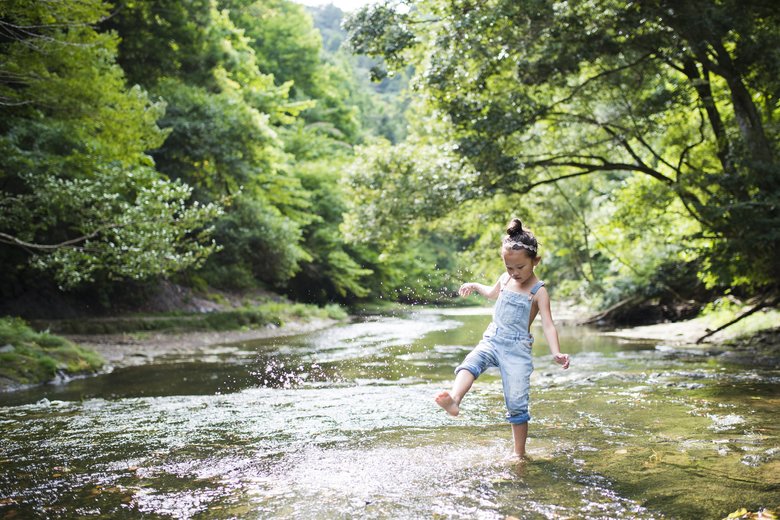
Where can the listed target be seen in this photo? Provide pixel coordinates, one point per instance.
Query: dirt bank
(674, 333)
(121, 350)
(760, 349)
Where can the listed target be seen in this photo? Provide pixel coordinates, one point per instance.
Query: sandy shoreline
(120, 350)
(134, 349)
(760, 349)
(673, 333)
(130, 349)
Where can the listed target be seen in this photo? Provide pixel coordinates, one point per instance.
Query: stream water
(340, 423)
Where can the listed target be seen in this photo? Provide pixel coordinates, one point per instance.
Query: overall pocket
(490, 331)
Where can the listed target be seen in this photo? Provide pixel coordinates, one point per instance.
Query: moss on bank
(276, 313)
(30, 357)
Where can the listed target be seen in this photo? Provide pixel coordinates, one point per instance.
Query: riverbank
(29, 357)
(56, 350)
(106, 352)
(687, 332)
(130, 349)
(754, 342)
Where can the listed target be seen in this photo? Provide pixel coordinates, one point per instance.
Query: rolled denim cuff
(474, 371)
(520, 418)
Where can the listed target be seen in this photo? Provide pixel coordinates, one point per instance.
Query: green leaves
(249, 99)
(381, 30)
(141, 139)
(259, 244)
(80, 195)
(540, 93)
(124, 224)
(394, 187)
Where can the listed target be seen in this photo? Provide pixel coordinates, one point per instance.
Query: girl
(506, 343)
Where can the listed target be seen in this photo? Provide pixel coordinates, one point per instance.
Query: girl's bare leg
(519, 435)
(450, 401)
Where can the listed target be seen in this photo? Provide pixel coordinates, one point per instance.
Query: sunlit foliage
(647, 131)
(210, 137)
(79, 196)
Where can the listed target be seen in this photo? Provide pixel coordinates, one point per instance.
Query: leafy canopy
(535, 93)
(78, 192)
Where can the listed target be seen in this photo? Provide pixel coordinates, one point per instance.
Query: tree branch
(529, 187)
(611, 130)
(761, 305)
(600, 75)
(5, 238)
(590, 168)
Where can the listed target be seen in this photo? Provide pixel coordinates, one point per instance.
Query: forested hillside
(243, 144)
(639, 140)
(204, 142)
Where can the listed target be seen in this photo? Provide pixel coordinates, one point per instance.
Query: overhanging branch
(586, 168)
(5, 238)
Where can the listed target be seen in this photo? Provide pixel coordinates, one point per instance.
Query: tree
(334, 270)
(535, 93)
(79, 194)
(289, 47)
(224, 117)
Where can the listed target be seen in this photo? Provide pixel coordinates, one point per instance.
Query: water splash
(341, 423)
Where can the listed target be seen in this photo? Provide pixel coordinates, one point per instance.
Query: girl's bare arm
(485, 290)
(548, 326)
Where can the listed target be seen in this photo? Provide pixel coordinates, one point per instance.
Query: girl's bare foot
(518, 457)
(446, 401)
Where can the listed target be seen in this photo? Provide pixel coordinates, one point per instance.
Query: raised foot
(446, 401)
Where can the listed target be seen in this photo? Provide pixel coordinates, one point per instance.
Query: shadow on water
(340, 424)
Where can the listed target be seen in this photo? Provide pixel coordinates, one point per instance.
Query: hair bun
(515, 227)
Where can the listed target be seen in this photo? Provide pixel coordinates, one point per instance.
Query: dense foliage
(206, 138)
(79, 195)
(240, 144)
(639, 139)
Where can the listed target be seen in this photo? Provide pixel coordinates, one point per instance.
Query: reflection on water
(341, 424)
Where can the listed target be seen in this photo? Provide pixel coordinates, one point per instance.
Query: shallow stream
(340, 423)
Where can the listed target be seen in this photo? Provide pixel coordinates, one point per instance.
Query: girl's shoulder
(541, 292)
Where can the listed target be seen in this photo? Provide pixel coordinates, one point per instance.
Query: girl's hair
(519, 238)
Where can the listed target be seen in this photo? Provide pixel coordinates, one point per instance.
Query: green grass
(724, 310)
(30, 357)
(276, 313)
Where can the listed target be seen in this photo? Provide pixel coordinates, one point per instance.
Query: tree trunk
(701, 83)
(745, 111)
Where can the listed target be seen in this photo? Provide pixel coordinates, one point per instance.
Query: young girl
(507, 341)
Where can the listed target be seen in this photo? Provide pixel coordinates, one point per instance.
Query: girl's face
(519, 265)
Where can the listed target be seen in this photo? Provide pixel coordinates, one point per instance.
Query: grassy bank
(271, 313)
(724, 310)
(30, 357)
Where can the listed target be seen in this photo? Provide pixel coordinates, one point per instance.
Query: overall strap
(536, 287)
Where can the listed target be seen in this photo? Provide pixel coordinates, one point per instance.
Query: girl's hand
(466, 289)
(562, 359)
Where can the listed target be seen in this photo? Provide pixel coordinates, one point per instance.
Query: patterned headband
(511, 243)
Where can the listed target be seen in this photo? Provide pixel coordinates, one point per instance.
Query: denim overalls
(506, 344)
